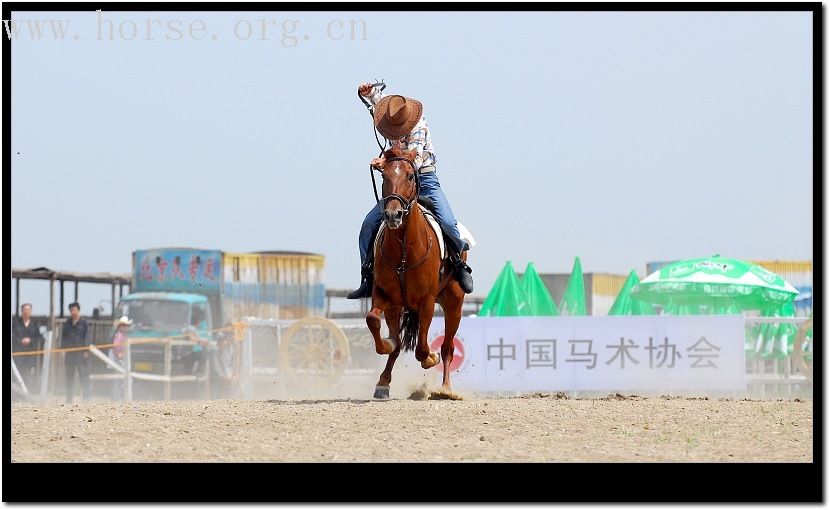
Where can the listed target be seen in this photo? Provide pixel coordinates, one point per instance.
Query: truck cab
(162, 315)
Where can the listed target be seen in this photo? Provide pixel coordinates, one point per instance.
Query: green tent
(573, 300)
(506, 297)
(539, 300)
(624, 304)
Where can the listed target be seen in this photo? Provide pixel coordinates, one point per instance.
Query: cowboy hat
(395, 116)
(123, 320)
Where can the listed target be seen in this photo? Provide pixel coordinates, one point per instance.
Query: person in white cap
(116, 354)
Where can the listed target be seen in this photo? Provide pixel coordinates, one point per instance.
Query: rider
(399, 120)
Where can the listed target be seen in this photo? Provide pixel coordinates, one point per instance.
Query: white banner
(629, 353)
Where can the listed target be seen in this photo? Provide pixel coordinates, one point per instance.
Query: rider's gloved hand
(365, 89)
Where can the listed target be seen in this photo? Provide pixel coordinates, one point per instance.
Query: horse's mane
(396, 152)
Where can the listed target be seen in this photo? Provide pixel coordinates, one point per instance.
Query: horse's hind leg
(451, 301)
(393, 318)
(382, 387)
(422, 353)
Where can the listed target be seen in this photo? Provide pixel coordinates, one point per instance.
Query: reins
(382, 146)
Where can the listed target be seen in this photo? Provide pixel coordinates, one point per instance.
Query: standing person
(400, 120)
(76, 334)
(26, 337)
(117, 352)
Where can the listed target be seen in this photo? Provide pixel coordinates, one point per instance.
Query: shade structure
(573, 300)
(624, 304)
(506, 298)
(715, 282)
(539, 300)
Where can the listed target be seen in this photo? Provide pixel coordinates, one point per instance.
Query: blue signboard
(177, 270)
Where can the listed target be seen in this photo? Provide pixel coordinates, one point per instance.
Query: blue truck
(198, 294)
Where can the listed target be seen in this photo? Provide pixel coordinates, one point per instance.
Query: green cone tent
(539, 300)
(624, 304)
(573, 300)
(506, 297)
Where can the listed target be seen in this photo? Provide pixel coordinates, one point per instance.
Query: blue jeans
(431, 188)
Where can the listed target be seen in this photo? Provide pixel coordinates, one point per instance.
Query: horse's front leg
(380, 304)
(393, 320)
(427, 358)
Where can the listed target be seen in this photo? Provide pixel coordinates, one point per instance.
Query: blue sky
(622, 138)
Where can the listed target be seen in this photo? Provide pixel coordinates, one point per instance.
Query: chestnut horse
(406, 278)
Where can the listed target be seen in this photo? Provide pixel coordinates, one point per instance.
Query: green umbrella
(539, 301)
(715, 282)
(624, 304)
(573, 300)
(506, 298)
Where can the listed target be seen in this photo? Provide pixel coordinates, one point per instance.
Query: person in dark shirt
(26, 337)
(74, 334)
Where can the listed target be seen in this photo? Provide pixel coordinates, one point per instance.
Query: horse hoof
(386, 348)
(381, 392)
(431, 360)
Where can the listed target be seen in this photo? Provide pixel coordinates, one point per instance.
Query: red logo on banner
(457, 355)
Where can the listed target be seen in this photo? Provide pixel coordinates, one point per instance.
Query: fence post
(47, 365)
(168, 364)
(19, 378)
(128, 373)
(247, 363)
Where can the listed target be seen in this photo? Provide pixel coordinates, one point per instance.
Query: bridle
(406, 203)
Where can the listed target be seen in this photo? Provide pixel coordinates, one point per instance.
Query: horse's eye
(412, 177)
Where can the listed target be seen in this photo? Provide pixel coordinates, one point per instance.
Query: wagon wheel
(804, 366)
(313, 352)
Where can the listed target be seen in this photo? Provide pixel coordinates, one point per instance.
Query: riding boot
(462, 273)
(366, 274)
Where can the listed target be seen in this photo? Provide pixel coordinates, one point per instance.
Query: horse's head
(399, 186)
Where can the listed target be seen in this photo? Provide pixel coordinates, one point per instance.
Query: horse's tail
(410, 325)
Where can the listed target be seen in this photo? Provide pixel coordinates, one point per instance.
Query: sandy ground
(534, 428)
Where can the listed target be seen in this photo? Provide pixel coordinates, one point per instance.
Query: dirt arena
(532, 428)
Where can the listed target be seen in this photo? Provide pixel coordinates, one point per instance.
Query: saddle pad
(465, 234)
(432, 223)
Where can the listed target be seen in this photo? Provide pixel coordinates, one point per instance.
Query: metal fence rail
(260, 364)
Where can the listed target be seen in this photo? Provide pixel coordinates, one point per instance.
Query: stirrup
(461, 273)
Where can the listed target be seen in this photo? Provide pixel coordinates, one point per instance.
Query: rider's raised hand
(365, 89)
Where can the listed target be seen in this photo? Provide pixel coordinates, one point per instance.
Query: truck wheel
(313, 353)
